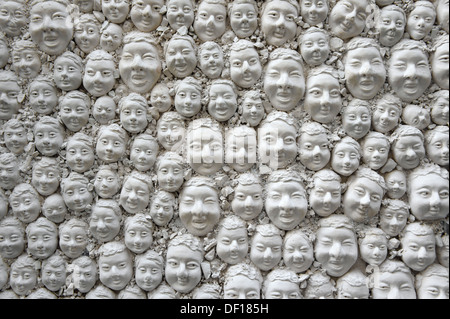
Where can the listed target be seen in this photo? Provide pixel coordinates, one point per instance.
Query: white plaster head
(162, 208)
(222, 103)
(188, 96)
(252, 108)
(138, 230)
(73, 237)
(418, 246)
(386, 113)
(170, 170)
(10, 91)
(181, 55)
(68, 71)
(210, 19)
(23, 275)
(75, 108)
(437, 145)
(54, 208)
(356, 118)
(407, 145)
(146, 15)
(348, 18)
(243, 16)
(314, 12)
(373, 245)
(115, 265)
(9, 171)
(80, 154)
(25, 203)
(116, 11)
(325, 196)
(242, 281)
(42, 95)
(240, 147)
(104, 109)
(375, 150)
(171, 131)
(14, 17)
(266, 247)
(105, 220)
(391, 24)
(353, 285)
(421, 19)
(133, 113)
(346, 156)
(13, 234)
(135, 193)
(432, 283)
(439, 61)
(279, 21)
(76, 191)
(232, 240)
(111, 36)
(396, 184)
(180, 13)
(314, 44)
(46, 176)
(245, 65)
(440, 107)
(298, 253)
(281, 284)
(386, 281)
(143, 152)
(160, 98)
(417, 116)
(111, 143)
(26, 59)
(442, 14)
(42, 238)
(210, 59)
(87, 32)
(394, 214)
(100, 73)
(15, 136)
(149, 270)
(54, 272)
(107, 182)
(247, 202)
(319, 286)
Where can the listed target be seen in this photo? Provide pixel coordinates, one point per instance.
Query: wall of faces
(214, 149)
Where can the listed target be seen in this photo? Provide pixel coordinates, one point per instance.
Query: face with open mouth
(180, 57)
(298, 252)
(51, 26)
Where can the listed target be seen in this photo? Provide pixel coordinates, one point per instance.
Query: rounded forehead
(47, 6)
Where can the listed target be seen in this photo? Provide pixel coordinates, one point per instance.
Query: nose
(410, 152)
(316, 150)
(351, 16)
(325, 98)
(365, 200)
(283, 81)
(234, 246)
(101, 225)
(137, 62)
(394, 293)
(248, 201)
(268, 253)
(197, 208)
(376, 251)
(285, 202)
(335, 250)
(146, 11)
(179, 56)
(47, 23)
(422, 253)
(365, 68)
(410, 71)
(327, 198)
(132, 195)
(435, 199)
(210, 21)
(245, 66)
(280, 22)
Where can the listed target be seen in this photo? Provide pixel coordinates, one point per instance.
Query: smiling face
(266, 251)
(409, 74)
(364, 72)
(315, 48)
(284, 84)
(110, 147)
(286, 204)
(135, 195)
(116, 270)
(440, 66)
(323, 98)
(222, 102)
(385, 117)
(99, 76)
(148, 274)
(180, 58)
(362, 200)
(245, 67)
(348, 18)
(180, 13)
(42, 97)
(45, 179)
(25, 208)
(139, 66)
(146, 14)
(205, 150)
(183, 271)
(42, 242)
(74, 113)
(73, 241)
(188, 100)
(12, 241)
(76, 196)
(278, 22)
(12, 18)
(51, 26)
(210, 21)
(243, 19)
(408, 151)
(314, 12)
(199, 209)
(104, 224)
(116, 10)
(26, 63)
(298, 253)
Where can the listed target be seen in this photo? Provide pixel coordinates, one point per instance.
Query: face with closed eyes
(180, 58)
(391, 25)
(278, 22)
(408, 150)
(241, 287)
(266, 251)
(199, 209)
(135, 195)
(362, 200)
(314, 12)
(232, 245)
(243, 19)
(183, 271)
(298, 253)
(285, 204)
(277, 145)
(247, 202)
(322, 98)
(210, 21)
(315, 48)
(348, 18)
(314, 152)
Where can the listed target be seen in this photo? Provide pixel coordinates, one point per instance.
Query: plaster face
(170, 176)
(138, 238)
(266, 251)
(26, 63)
(104, 110)
(210, 21)
(76, 196)
(284, 84)
(42, 97)
(409, 74)
(9, 175)
(392, 221)
(364, 72)
(298, 253)
(148, 274)
(278, 22)
(243, 19)
(248, 201)
(85, 277)
(22, 280)
(45, 179)
(160, 98)
(87, 36)
(252, 111)
(111, 37)
(282, 289)
(133, 116)
(99, 77)
(396, 184)
(211, 62)
(348, 18)
(245, 67)
(181, 58)
(356, 121)
(180, 13)
(285, 204)
(232, 245)
(222, 102)
(323, 98)
(116, 11)
(442, 11)
(146, 14)
(375, 152)
(106, 183)
(277, 145)
(143, 154)
(362, 200)
(438, 149)
(336, 249)
(408, 151)
(314, 12)
(54, 208)
(428, 197)
(188, 100)
(433, 287)
(15, 139)
(161, 211)
(140, 66)
(9, 102)
(314, 47)
(391, 25)
(440, 111)
(73, 241)
(67, 74)
(325, 197)
(134, 196)
(13, 18)
(42, 242)
(79, 156)
(416, 116)
(199, 209)
(420, 22)
(183, 271)
(440, 66)
(240, 151)
(104, 224)
(26, 208)
(242, 287)
(345, 159)
(385, 117)
(110, 147)
(51, 26)
(4, 53)
(205, 150)
(418, 252)
(12, 241)
(373, 249)
(74, 113)
(116, 270)
(54, 277)
(397, 285)
(171, 134)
